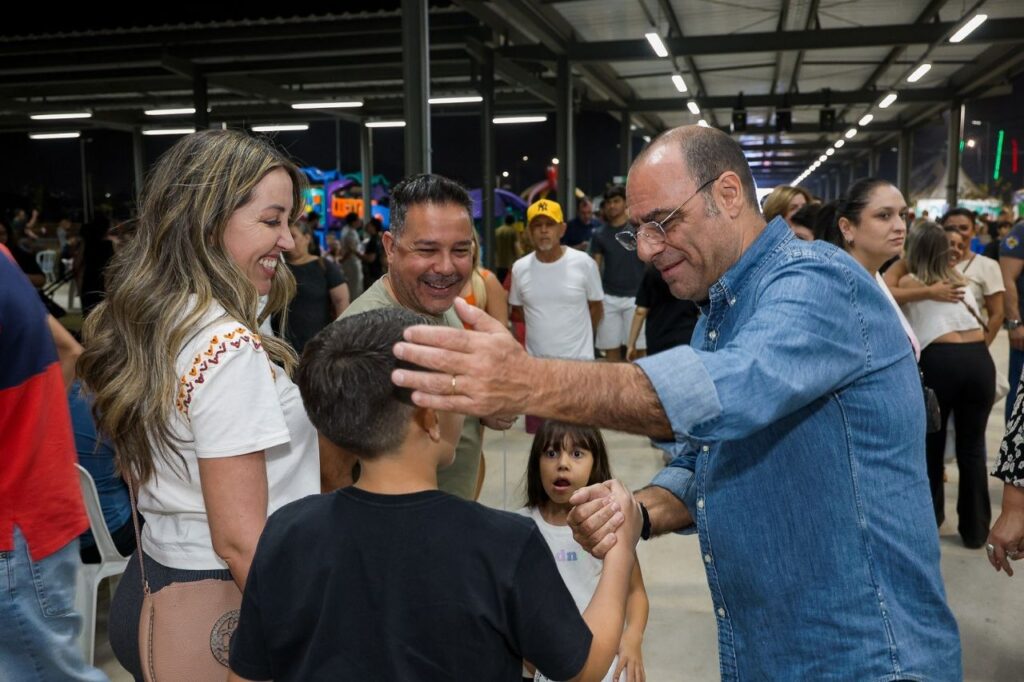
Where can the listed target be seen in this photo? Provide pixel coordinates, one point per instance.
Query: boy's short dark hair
(345, 381)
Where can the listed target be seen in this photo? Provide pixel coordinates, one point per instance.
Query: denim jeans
(38, 622)
(1016, 365)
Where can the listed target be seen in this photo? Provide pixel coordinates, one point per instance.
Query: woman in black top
(321, 292)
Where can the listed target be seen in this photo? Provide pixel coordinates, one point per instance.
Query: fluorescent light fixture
(465, 99)
(181, 111)
(971, 143)
(703, 124)
(887, 100)
(830, 151)
(679, 82)
(350, 104)
(692, 106)
(850, 133)
(504, 174)
(554, 160)
(500, 120)
(822, 158)
(865, 119)
(168, 131)
(647, 138)
(919, 73)
(968, 28)
(55, 136)
(839, 143)
(281, 128)
(385, 124)
(61, 117)
(526, 158)
(659, 47)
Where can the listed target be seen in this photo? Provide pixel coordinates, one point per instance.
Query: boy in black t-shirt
(392, 579)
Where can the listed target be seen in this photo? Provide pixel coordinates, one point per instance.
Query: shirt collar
(731, 284)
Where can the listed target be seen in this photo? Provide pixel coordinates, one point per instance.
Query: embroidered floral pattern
(1010, 467)
(211, 357)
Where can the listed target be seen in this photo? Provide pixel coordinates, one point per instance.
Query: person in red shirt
(41, 509)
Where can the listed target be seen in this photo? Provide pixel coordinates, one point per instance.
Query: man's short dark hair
(966, 213)
(615, 191)
(583, 200)
(351, 217)
(345, 382)
(425, 188)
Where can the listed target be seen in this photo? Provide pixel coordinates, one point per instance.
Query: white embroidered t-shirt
(231, 400)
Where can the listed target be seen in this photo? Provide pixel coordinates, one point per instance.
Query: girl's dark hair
(553, 434)
(806, 216)
(826, 226)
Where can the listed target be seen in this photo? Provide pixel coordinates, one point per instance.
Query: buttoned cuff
(679, 480)
(685, 391)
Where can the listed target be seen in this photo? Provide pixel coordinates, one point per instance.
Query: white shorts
(613, 331)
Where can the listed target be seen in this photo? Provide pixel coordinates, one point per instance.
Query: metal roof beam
(808, 99)
(1003, 30)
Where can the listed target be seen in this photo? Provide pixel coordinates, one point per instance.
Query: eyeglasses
(654, 231)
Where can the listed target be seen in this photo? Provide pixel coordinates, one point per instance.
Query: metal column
(487, 147)
(873, 162)
(366, 167)
(837, 183)
(138, 161)
(416, 86)
(201, 119)
(625, 144)
(337, 148)
(903, 163)
(852, 177)
(956, 132)
(565, 140)
(86, 199)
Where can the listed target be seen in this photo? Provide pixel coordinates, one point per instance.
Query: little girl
(563, 459)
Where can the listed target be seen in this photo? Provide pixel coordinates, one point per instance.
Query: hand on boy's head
(479, 372)
(594, 518)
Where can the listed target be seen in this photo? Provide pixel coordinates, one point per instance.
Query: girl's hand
(630, 659)
(944, 291)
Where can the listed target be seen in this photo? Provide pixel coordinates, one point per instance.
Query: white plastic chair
(47, 261)
(111, 565)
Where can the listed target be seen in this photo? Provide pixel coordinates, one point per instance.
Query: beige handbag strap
(138, 535)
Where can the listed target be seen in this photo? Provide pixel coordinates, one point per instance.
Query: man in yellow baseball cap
(556, 291)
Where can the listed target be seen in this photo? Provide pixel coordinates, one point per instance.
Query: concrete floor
(681, 643)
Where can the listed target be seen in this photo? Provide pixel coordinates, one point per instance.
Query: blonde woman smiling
(200, 407)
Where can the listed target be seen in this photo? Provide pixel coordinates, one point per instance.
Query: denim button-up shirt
(799, 441)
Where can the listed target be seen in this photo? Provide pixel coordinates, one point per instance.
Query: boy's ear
(427, 420)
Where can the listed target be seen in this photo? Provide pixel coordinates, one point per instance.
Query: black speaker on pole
(783, 120)
(827, 120)
(739, 120)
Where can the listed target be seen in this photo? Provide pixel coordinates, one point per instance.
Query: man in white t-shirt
(556, 289)
(984, 278)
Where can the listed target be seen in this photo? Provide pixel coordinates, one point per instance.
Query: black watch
(645, 529)
(1010, 325)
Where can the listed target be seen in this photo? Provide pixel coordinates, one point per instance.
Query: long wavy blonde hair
(161, 283)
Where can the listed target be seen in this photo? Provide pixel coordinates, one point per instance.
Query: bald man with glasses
(795, 417)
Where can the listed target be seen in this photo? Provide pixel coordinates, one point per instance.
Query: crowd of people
(291, 440)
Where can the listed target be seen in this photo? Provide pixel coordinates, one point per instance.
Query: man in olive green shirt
(430, 256)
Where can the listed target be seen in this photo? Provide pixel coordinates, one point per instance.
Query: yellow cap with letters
(545, 207)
